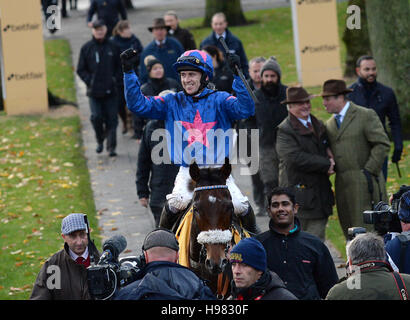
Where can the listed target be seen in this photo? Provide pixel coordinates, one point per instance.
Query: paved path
(113, 179)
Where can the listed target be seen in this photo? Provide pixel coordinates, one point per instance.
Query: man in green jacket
(370, 276)
(305, 162)
(359, 145)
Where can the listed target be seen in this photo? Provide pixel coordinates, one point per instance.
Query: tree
(389, 30)
(231, 8)
(356, 38)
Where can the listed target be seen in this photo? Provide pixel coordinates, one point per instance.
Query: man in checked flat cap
(161, 277)
(64, 275)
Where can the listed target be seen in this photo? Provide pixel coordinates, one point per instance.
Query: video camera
(110, 273)
(384, 217)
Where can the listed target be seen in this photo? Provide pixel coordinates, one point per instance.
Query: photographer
(64, 275)
(370, 276)
(397, 245)
(161, 278)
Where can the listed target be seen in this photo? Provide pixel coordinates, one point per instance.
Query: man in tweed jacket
(360, 145)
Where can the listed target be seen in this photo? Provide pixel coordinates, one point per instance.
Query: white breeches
(181, 195)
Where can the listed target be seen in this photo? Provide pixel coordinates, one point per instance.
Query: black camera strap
(400, 286)
(90, 251)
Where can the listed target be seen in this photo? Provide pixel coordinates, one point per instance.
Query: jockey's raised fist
(128, 59)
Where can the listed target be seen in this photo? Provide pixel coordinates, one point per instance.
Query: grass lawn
(270, 33)
(43, 177)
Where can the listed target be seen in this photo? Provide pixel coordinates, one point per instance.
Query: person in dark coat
(154, 180)
(220, 29)
(223, 76)
(251, 278)
(69, 264)
(165, 49)
(398, 244)
(369, 93)
(255, 82)
(269, 113)
(125, 39)
(157, 81)
(304, 162)
(300, 259)
(99, 66)
(184, 36)
(162, 278)
(107, 10)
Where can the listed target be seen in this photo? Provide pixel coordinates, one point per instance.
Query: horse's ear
(226, 169)
(194, 171)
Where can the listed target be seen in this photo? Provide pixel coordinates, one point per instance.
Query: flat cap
(73, 222)
(160, 238)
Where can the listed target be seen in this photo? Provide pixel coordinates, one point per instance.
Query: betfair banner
(22, 57)
(316, 39)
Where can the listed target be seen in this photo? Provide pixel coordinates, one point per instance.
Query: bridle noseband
(218, 186)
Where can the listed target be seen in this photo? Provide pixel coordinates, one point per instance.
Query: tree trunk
(389, 30)
(231, 8)
(356, 40)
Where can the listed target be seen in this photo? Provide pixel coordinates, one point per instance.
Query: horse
(212, 227)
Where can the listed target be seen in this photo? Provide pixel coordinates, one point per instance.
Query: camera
(354, 231)
(110, 272)
(384, 217)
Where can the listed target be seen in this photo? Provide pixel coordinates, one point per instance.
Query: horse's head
(213, 209)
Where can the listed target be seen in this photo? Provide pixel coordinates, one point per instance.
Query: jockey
(198, 123)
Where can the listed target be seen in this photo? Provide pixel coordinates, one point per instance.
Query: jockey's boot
(169, 217)
(249, 221)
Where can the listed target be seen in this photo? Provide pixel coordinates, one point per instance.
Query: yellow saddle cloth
(183, 236)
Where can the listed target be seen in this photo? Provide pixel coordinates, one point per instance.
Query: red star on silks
(198, 129)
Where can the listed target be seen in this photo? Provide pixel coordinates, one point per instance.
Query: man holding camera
(64, 275)
(398, 247)
(161, 277)
(370, 277)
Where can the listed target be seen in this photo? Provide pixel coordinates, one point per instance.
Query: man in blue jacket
(220, 29)
(369, 93)
(161, 277)
(165, 49)
(398, 247)
(198, 125)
